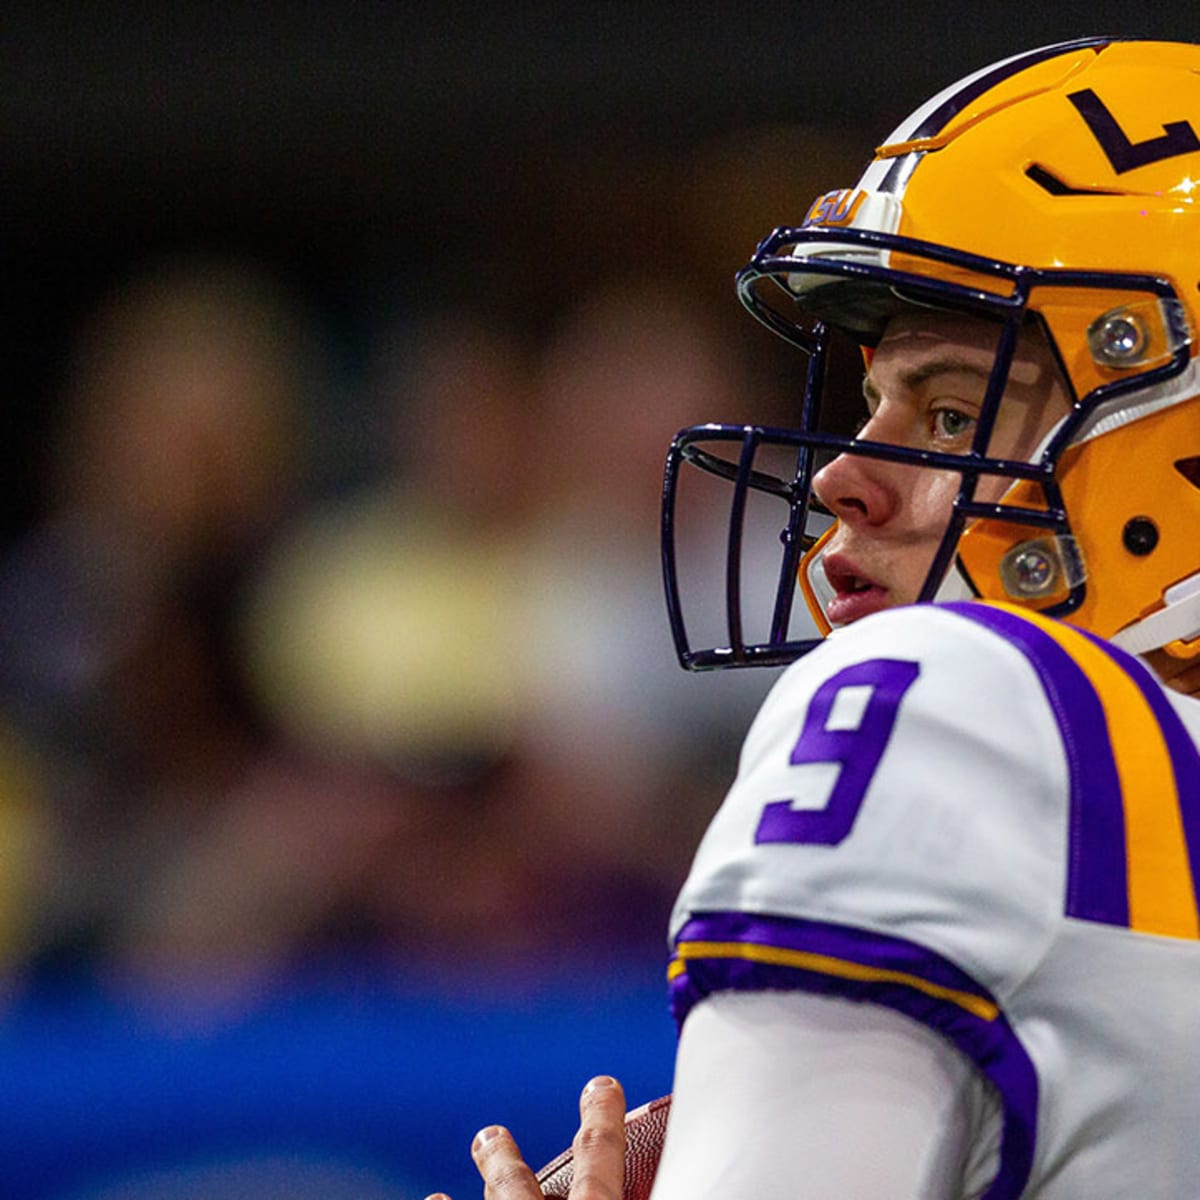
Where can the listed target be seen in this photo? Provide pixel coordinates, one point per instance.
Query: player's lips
(857, 595)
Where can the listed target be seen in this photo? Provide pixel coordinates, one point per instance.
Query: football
(645, 1128)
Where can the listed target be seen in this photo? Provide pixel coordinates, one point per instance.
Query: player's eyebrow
(915, 376)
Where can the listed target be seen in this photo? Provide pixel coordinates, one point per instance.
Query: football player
(943, 937)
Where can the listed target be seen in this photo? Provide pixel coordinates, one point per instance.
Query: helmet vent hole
(1049, 182)
(1140, 536)
(1189, 468)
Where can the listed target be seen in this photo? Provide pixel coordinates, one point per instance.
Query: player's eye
(952, 424)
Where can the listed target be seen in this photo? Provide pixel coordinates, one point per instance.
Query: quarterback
(943, 937)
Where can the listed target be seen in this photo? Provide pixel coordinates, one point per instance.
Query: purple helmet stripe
(928, 121)
(899, 172)
(974, 86)
(723, 951)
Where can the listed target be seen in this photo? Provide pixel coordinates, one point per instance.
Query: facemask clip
(1041, 569)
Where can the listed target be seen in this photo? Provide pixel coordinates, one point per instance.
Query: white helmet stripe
(892, 174)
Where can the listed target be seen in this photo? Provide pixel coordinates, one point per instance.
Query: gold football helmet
(1062, 187)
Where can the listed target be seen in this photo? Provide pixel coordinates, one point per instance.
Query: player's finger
(506, 1175)
(599, 1146)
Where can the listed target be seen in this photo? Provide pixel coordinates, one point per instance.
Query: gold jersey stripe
(1162, 896)
(826, 964)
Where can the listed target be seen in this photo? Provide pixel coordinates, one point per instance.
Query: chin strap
(954, 587)
(1178, 621)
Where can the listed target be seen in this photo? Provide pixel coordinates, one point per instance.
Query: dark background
(374, 150)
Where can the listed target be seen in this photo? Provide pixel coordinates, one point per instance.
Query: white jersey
(990, 822)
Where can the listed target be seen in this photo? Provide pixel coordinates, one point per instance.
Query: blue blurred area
(373, 1089)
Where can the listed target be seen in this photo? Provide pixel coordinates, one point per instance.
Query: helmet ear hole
(1189, 468)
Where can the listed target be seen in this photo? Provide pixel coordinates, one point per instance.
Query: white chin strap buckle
(1178, 621)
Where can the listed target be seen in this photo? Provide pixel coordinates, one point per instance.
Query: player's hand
(599, 1149)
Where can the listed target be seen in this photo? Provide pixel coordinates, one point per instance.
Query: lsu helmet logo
(834, 208)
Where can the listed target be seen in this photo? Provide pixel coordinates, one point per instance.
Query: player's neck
(1181, 675)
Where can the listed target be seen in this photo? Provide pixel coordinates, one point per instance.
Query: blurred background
(346, 773)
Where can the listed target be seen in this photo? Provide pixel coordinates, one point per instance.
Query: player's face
(925, 388)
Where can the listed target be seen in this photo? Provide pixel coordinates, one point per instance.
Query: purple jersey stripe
(837, 941)
(722, 951)
(1096, 868)
(1185, 759)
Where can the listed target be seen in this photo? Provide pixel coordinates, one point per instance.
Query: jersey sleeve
(895, 835)
(757, 1072)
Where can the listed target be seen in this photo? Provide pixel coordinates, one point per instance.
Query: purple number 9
(854, 735)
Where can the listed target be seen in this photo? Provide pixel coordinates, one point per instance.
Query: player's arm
(599, 1152)
(792, 1095)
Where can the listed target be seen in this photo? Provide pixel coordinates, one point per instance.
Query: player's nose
(858, 490)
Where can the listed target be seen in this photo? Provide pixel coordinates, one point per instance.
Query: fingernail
(601, 1081)
(486, 1135)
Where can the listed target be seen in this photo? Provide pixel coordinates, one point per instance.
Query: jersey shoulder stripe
(1184, 754)
(1134, 853)
(721, 951)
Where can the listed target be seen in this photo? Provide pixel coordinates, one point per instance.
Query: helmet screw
(1118, 339)
(1140, 536)
(1033, 570)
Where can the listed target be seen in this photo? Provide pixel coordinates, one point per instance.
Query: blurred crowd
(432, 719)
(301, 666)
